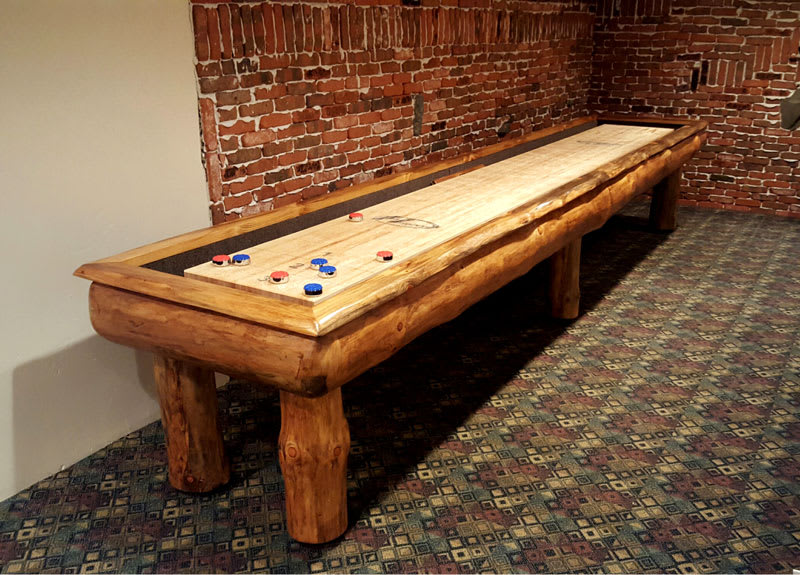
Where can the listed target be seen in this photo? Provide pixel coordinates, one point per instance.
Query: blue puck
(312, 289)
(316, 262)
(327, 271)
(241, 259)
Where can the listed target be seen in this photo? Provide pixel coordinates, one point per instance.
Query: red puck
(279, 277)
(384, 256)
(221, 260)
(356, 217)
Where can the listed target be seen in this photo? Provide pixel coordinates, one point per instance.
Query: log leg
(565, 293)
(314, 443)
(188, 397)
(664, 205)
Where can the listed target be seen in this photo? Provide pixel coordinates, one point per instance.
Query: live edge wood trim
(336, 311)
(228, 345)
(123, 272)
(369, 339)
(311, 366)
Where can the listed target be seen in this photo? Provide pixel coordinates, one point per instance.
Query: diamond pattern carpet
(659, 432)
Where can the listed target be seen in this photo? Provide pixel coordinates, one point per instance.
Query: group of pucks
(328, 271)
(324, 269)
(237, 260)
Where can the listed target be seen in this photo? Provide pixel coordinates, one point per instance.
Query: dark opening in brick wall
(731, 63)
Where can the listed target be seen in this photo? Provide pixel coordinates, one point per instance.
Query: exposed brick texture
(729, 62)
(299, 98)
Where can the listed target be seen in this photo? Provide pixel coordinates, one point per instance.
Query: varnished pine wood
(329, 315)
(446, 211)
(188, 398)
(664, 205)
(313, 447)
(291, 316)
(229, 345)
(336, 312)
(565, 291)
(649, 120)
(367, 339)
(423, 294)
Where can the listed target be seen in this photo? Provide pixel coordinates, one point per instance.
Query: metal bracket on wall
(790, 112)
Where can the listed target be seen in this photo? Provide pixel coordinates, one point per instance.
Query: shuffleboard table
(458, 230)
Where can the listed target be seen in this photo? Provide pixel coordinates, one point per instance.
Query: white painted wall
(99, 152)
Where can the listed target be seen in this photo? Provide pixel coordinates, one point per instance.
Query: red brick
(292, 131)
(212, 85)
(290, 103)
(255, 110)
(225, 30)
(208, 70)
(275, 120)
(262, 166)
(249, 183)
(359, 132)
(292, 185)
(292, 158)
(237, 31)
(307, 115)
(258, 138)
(233, 202)
(334, 136)
(240, 127)
(330, 85)
(208, 123)
(345, 122)
(214, 39)
(214, 177)
(201, 44)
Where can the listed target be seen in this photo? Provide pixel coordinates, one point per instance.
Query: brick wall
(299, 98)
(727, 61)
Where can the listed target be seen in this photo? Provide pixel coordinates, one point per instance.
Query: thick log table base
(565, 293)
(313, 447)
(188, 398)
(664, 206)
(314, 443)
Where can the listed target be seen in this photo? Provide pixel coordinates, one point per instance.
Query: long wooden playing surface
(419, 221)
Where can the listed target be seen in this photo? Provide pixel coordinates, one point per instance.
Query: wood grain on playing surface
(417, 222)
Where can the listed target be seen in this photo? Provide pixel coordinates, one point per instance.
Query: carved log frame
(196, 328)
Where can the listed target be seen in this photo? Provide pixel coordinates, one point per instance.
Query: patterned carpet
(659, 432)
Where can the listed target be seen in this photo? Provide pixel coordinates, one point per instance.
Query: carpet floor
(659, 432)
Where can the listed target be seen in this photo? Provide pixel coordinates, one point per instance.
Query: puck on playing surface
(384, 256)
(312, 289)
(326, 271)
(221, 260)
(279, 277)
(356, 217)
(317, 262)
(241, 260)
